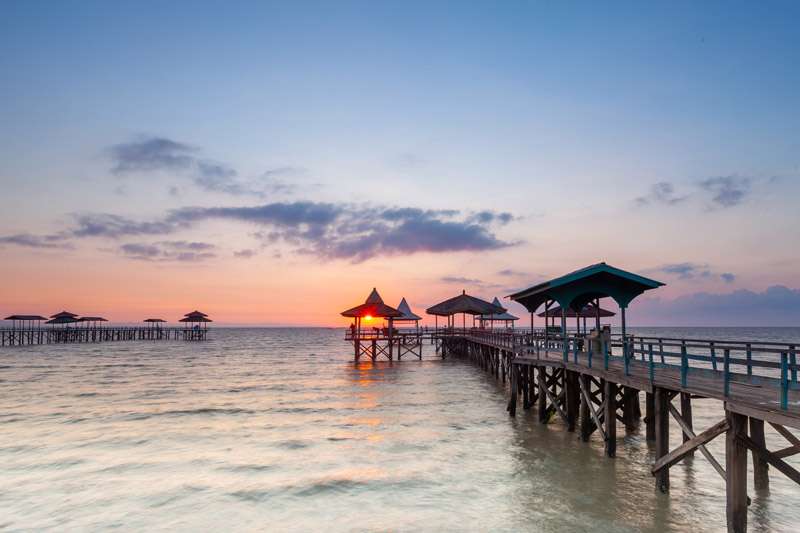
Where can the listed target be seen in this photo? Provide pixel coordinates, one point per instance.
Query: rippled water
(276, 429)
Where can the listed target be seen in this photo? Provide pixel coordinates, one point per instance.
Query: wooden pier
(592, 387)
(593, 380)
(46, 335)
(68, 328)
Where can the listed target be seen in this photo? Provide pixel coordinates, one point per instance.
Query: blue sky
(662, 139)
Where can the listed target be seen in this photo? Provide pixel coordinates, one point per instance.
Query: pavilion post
(597, 315)
(564, 342)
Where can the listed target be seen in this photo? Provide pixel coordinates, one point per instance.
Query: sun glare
(368, 318)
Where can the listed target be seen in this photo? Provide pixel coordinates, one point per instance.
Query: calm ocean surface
(277, 429)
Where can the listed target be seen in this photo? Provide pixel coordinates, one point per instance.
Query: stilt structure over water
(373, 341)
(66, 327)
(591, 380)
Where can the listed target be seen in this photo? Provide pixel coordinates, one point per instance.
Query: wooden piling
(610, 417)
(686, 415)
(661, 417)
(572, 393)
(760, 465)
(736, 472)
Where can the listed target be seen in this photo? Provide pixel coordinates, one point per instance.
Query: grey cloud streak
(324, 230)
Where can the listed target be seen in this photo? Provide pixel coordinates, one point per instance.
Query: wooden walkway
(60, 335)
(594, 384)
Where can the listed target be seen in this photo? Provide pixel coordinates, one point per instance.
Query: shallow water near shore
(277, 429)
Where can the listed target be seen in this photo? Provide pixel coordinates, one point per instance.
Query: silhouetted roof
(62, 320)
(195, 318)
(578, 288)
(154, 320)
(63, 314)
(92, 319)
(588, 311)
(499, 316)
(25, 317)
(464, 303)
(195, 313)
(374, 307)
(406, 310)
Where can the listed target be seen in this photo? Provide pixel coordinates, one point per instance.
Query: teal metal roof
(578, 288)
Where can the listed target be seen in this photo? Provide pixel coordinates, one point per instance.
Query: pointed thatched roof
(195, 313)
(499, 316)
(374, 307)
(195, 318)
(62, 320)
(64, 314)
(406, 310)
(464, 303)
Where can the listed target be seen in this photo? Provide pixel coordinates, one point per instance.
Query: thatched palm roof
(407, 313)
(64, 314)
(62, 320)
(464, 303)
(195, 318)
(92, 319)
(499, 316)
(195, 313)
(374, 307)
(154, 320)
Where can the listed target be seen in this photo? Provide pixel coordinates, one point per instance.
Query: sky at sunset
(270, 164)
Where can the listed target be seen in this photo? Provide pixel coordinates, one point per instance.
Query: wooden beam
(760, 466)
(686, 414)
(592, 412)
(686, 448)
(690, 433)
(736, 468)
(610, 393)
(779, 464)
(554, 403)
(662, 435)
(785, 452)
(786, 434)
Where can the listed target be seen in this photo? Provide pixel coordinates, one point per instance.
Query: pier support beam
(736, 472)
(541, 382)
(760, 465)
(610, 417)
(512, 401)
(686, 415)
(649, 416)
(585, 413)
(661, 416)
(572, 398)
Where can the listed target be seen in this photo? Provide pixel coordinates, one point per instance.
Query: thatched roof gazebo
(463, 304)
(373, 307)
(504, 317)
(196, 318)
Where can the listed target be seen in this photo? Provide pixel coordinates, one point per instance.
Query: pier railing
(764, 364)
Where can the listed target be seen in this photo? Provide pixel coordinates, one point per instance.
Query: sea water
(278, 430)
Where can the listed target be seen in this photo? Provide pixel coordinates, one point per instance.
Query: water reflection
(280, 430)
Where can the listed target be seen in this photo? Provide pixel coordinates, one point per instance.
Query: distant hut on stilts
(377, 340)
(408, 341)
(195, 325)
